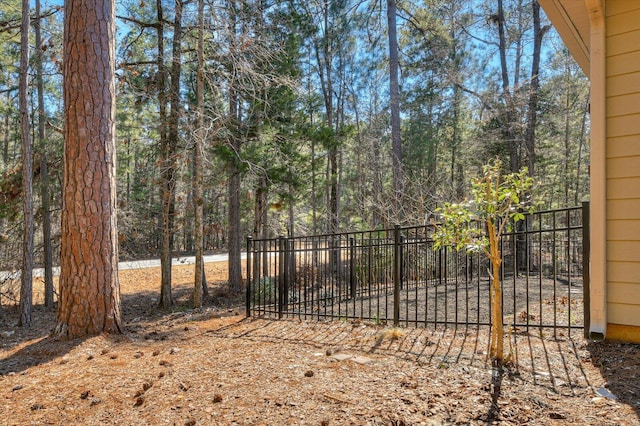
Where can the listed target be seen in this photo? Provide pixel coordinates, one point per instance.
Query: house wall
(622, 22)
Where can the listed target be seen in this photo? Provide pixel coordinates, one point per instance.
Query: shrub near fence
(395, 276)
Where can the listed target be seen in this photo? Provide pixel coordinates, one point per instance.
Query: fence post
(439, 266)
(586, 265)
(281, 269)
(248, 295)
(352, 281)
(288, 264)
(396, 275)
(401, 273)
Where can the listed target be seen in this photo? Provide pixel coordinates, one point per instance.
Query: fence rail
(396, 276)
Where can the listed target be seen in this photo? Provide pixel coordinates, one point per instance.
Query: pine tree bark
(292, 223)
(235, 266)
(166, 187)
(170, 152)
(7, 133)
(394, 103)
(455, 59)
(235, 178)
(198, 216)
(26, 287)
(530, 135)
(324, 57)
(509, 116)
(260, 211)
(89, 290)
(44, 168)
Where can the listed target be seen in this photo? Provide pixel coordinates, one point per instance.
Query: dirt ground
(215, 367)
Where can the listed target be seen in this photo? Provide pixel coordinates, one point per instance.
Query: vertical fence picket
(248, 287)
(397, 273)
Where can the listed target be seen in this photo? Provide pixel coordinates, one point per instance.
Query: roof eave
(566, 23)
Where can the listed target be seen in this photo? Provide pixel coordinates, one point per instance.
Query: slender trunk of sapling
(497, 330)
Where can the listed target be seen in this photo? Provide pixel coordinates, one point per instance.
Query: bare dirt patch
(213, 366)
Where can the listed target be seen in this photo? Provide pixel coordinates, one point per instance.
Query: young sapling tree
(477, 225)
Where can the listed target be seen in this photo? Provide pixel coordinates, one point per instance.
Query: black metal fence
(395, 276)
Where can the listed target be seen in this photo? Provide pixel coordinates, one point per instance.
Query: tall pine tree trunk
(260, 209)
(291, 228)
(509, 115)
(394, 103)
(7, 116)
(234, 240)
(324, 56)
(174, 120)
(89, 291)
(167, 147)
(26, 287)
(530, 135)
(583, 131)
(198, 216)
(44, 169)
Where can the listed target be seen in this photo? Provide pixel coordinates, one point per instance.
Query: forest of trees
(269, 117)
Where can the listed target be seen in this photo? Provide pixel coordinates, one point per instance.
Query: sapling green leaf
(497, 202)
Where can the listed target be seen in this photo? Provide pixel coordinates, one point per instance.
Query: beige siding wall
(623, 161)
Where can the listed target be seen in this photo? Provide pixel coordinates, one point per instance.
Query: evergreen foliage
(296, 108)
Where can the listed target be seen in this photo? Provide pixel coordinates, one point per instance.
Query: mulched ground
(531, 300)
(214, 366)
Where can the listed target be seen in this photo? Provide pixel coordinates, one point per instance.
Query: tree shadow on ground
(40, 351)
(34, 344)
(619, 364)
(558, 363)
(26, 347)
(550, 362)
(144, 304)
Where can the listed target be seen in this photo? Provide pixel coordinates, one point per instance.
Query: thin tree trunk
(432, 149)
(291, 226)
(261, 214)
(235, 267)
(324, 56)
(189, 211)
(44, 170)
(457, 185)
(199, 225)
(26, 287)
(89, 290)
(128, 142)
(583, 128)
(166, 187)
(530, 139)
(234, 240)
(5, 148)
(333, 189)
(169, 175)
(314, 199)
(174, 117)
(260, 209)
(508, 125)
(518, 43)
(497, 329)
(394, 103)
(532, 118)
